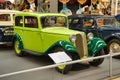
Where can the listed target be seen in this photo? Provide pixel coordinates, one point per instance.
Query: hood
(61, 30)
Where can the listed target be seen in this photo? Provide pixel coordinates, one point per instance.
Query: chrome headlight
(72, 38)
(90, 36)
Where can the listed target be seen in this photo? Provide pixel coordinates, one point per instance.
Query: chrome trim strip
(5, 43)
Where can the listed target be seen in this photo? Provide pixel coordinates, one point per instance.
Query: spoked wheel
(97, 62)
(64, 69)
(18, 51)
(114, 47)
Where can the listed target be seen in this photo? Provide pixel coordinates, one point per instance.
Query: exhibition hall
(60, 39)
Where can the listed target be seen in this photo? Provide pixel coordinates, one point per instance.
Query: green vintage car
(47, 33)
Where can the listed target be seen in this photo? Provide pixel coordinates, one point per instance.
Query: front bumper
(5, 43)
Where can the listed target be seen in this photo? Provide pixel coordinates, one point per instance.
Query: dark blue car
(105, 27)
(6, 26)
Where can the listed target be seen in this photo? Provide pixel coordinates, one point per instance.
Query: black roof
(88, 15)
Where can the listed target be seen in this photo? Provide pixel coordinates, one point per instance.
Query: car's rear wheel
(97, 62)
(17, 49)
(64, 69)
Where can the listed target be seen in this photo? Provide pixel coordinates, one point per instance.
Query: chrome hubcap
(114, 47)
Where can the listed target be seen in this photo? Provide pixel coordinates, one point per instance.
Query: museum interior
(60, 39)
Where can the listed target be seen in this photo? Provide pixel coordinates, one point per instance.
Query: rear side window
(5, 17)
(88, 22)
(19, 21)
(31, 22)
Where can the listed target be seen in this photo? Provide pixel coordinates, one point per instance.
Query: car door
(89, 25)
(31, 34)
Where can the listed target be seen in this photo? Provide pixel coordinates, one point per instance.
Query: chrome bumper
(1, 43)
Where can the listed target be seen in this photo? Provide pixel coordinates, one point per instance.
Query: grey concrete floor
(9, 62)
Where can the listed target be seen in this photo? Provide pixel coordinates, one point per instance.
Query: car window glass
(53, 21)
(19, 21)
(88, 22)
(69, 21)
(106, 22)
(5, 17)
(75, 22)
(31, 22)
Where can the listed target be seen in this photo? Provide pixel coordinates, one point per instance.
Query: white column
(116, 7)
(54, 6)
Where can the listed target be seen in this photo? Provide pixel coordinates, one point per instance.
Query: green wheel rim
(62, 67)
(17, 49)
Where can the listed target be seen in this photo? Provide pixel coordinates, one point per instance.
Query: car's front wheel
(17, 49)
(114, 46)
(64, 69)
(97, 62)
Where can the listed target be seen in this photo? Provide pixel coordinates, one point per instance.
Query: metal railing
(110, 55)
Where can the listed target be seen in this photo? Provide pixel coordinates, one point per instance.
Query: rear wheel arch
(17, 37)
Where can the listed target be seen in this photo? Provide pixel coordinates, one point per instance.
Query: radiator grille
(81, 45)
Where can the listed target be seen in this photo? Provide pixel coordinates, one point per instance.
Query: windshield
(4, 17)
(107, 22)
(53, 21)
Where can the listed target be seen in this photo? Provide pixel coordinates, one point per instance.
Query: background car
(102, 26)
(47, 33)
(118, 19)
(6, 26)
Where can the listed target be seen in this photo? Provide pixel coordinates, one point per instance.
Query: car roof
(40, 14)
(8, 11)
(88, 15)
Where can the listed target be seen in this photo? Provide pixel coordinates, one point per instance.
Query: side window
(18, 21)
(75, 22)
(45, 21)
(5, 17)
(88, 22)
(31, 22)
(100, 22)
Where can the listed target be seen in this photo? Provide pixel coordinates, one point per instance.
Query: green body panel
(53, 35)
(42, 41)
(95, 45)
(68, 47)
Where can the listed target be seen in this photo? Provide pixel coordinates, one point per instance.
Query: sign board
(60, 57)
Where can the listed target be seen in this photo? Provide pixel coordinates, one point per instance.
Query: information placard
(60, 57)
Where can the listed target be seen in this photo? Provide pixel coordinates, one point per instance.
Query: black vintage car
(105, 27)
